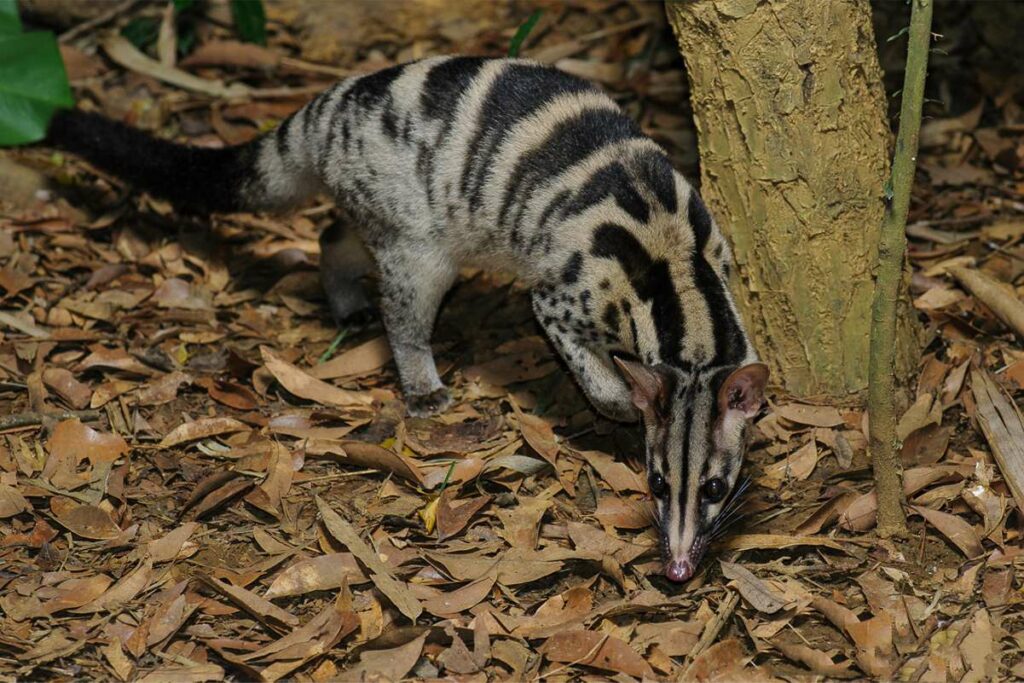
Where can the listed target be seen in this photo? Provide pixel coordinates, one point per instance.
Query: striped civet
(505, 163)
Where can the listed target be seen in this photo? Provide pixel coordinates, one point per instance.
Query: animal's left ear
(648, 387)
(743, 390)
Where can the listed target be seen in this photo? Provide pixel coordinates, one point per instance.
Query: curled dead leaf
(86, 521)
(74, 442)
(202, 428)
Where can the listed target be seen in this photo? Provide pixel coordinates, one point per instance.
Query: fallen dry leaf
(624, 513)
(202, 428)
(821, 663)
(308, 387)
(392, 664)
(315, 638)
(755, 591)
(122, 592)
(452, 515)
(63, 383)
(814, 416)
(75, 442)
(595, 649)
(264, 610)
(359, 361)
(188, 673)
(460, 599)
(370, 455)
(326, 572)
(381, 576)
(171, 545)
(86, 521)
(77, 592)
(955, 529)
(12, 502)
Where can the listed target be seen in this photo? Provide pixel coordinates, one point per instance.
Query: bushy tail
(246, 177)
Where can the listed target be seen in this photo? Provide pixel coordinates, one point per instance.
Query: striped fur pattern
(505, 163)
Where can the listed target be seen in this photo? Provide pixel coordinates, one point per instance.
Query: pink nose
(679, 571)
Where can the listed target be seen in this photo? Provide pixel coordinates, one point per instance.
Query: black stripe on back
(614, 181)
(281, 138)
(372, 89)
(571, 271)
(516, 93)
(444, 85)
(570, 142)
(655, 169)
(556, 205)
(652, 281)
(730, 342)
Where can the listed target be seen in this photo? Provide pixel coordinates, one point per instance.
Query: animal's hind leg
(414, 278)
(343, 260)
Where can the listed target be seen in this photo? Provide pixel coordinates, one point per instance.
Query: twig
(33, 418)
(313, 67)
(98, 20)
(892, 246)
(1001, 300)
(714, 626)
(120, 50)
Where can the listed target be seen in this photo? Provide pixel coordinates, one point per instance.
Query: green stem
(884, 445)
(326, 355)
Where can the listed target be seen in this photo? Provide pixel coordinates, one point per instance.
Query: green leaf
(10, 22)
(142, 32)
(186, 38)
(903, 31)
(33, 84)
(182, 5)
(524, 30)
(250, 20)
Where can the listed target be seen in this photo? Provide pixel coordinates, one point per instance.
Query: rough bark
(790, 113)
(883, 444)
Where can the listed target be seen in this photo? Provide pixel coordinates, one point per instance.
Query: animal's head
(695, 428)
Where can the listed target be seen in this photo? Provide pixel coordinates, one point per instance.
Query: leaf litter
(198, 486)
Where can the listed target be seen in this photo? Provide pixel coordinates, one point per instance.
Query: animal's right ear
(649, 387)
(743, 390)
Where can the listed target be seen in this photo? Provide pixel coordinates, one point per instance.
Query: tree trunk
(791, 121)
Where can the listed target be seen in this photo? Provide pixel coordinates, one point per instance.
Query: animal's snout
(679, 570)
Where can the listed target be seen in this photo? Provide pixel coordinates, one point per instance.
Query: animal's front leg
(593, 369)
(413, 282)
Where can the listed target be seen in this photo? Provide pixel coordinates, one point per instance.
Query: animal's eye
(657, 484)
(714, 490)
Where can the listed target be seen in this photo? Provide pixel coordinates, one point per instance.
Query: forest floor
(202, 479)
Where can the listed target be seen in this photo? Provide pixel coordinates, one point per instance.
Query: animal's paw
(360, 318)
(424, 405)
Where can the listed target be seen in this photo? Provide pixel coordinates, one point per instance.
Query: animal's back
(491, 156)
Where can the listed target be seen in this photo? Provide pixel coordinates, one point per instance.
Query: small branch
(33, 418)
(714, 626)
(1000, 299)
(100, 19)
(892, 246)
